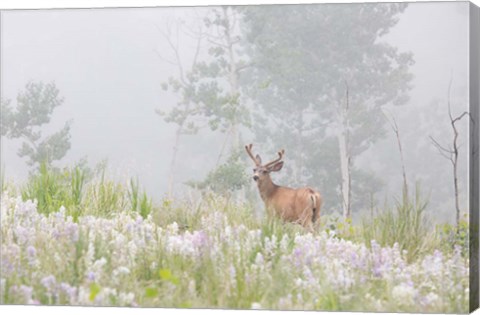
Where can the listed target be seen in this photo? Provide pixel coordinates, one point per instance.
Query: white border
(45, 4)
(48, 4)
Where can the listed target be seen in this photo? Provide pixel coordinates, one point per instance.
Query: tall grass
(78, 179)
(48, 188)
(105, 197)
(53, 188)
(139, 202)
(405, 224)
(83, 193)
(133, 194)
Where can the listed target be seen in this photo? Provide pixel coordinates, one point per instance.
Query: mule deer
(300, 205)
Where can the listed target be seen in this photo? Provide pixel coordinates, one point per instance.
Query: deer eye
(264, 172)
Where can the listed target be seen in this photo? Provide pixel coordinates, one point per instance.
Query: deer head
(262, 172)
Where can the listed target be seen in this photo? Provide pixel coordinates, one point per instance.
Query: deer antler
(280, 156)
(249, 151)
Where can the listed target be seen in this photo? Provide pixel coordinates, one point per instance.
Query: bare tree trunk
(455, 168)
(300, 160)
(345, 170)
(452, 155)
(171, 175)
(345, 159)
(455, 185)
(233, 72)
(228, 43)
(396, 130)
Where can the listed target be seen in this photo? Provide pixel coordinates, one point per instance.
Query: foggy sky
(105, 65)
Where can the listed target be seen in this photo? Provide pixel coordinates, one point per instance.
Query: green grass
(405, 224)
(82, 193)
(161, 278)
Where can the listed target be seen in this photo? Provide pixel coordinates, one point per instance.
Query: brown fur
(300, 205)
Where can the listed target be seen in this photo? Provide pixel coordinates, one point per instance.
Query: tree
(226, 178)
(186, 110)
(321, 76)
(35, 106)
(209, 90)
(396, 130)
(451, 154)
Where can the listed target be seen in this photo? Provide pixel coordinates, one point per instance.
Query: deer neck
(267, 188)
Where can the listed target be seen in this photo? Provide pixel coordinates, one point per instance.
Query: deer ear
(276, 167)
(259, 159)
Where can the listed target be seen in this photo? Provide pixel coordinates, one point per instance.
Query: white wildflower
(172, 229)
(431, 299)
(121, 271)
(404, 294)
(126, 299)
(256, 306)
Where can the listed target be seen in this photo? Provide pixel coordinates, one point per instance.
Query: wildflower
(311, 263)
(121, 271)
(256, 306)
(299, 298)
(22, 235)
(259, 261)
(91, 276)
(233, 276)
(404, 294)
(192, 290)
(3, 282)
(270, 245)
(154, 265)
(298, 254)
(430, 299)
(200, 239)
(172, 229)
(299, 282)
(31, 256)
(31, 251)
(285, 303)
(49, 282)
(132, 249)
(105, 295)
(126, 299)
(72, 231)
(284, 243)
(25, 293)
(89, 256)
(69, 291)
(98, 264)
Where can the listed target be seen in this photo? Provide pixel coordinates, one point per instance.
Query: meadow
(69, 237)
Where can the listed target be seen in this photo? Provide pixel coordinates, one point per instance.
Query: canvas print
(277, 157)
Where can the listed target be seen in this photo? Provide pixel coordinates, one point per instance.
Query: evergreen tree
(33, 110)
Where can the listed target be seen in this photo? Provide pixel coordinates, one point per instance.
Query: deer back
(300, 205)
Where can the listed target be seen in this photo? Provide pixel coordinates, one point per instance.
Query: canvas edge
(474, 154)
(474, 139)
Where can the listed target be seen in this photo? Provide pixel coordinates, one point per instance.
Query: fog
(109, 65)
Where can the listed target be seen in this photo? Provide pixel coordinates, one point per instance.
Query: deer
(301, 205)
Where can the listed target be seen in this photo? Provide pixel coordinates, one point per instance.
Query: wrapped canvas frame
(474, 151)
(474, 97)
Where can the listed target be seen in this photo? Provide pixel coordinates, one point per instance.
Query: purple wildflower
(49, 282)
